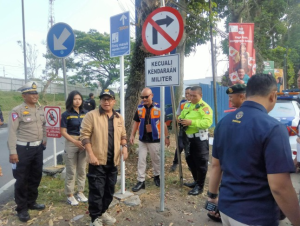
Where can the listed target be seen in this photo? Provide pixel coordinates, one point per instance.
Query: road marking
(10, 183)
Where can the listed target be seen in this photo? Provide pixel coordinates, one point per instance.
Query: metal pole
(24, 42)
(176, 136)
(213, 65)
(162, 148)
(65, 78)
(162, 141)
(285, 73)
(122, 108)
(54, 152)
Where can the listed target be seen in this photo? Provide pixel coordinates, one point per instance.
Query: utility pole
(213, 64)
(24, 42)
(3, 71)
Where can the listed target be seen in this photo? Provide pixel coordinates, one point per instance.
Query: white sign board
(162, 70)
(52, 115)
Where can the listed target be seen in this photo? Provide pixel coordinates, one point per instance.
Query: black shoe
(138, 186)
(173, 167)
(23, 216)
(157, 181)
(36, 206)
(196, 190)
(190, 185)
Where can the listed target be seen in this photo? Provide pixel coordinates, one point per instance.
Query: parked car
(287, 111)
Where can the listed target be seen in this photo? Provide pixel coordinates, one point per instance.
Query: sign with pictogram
(162, 30)
(52, 115)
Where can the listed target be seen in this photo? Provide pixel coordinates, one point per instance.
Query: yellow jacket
(94, 130)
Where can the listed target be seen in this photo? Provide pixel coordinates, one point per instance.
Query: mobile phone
(210, 206)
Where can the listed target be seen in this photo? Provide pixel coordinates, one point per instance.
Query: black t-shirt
(147, 137)
(71, 120)
(110, 151)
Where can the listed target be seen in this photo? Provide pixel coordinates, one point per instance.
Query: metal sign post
(52, 115)
(120, 46)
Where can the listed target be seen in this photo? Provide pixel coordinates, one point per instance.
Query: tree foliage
(276, 31)
(93, 60)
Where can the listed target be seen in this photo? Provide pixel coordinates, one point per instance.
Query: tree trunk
(52, 77)
(136, 79)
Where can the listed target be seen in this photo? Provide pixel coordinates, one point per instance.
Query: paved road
(6, 183)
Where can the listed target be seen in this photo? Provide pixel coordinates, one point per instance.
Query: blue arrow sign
(61, 40)
(120, 35)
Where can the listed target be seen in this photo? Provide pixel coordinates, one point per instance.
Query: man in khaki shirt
(102, 132)
(26, 142)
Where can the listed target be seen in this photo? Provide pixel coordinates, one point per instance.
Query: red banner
(241, 52)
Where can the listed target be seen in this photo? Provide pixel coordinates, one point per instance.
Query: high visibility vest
(154, 118)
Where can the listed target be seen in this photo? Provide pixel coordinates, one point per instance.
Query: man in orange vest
(147, 121)
(178, 112)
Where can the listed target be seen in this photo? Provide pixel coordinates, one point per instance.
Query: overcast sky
(81, 15)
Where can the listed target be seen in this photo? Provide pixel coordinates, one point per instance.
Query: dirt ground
(180, 208)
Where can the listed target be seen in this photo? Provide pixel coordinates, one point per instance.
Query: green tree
(93, 59)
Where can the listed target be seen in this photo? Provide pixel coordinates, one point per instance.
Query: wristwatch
(212, 195)
(124, 145)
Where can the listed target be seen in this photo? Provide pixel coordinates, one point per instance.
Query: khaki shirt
(25, 124)
(94, 130)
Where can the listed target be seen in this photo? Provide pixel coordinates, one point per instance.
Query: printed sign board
(52, 115)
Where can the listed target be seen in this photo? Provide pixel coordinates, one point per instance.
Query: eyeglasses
(145, 97)
(107, 99)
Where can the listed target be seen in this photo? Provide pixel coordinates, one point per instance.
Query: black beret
(237, 88)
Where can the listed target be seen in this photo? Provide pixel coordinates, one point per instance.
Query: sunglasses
(145, 97)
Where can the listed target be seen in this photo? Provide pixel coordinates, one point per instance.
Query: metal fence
(222, 99)
(13, 84)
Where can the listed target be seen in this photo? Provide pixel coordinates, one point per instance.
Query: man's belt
(193, 135)
(31, 144)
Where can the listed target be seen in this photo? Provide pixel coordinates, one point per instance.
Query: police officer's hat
(29, 87)
(107, 92)
(237, 88)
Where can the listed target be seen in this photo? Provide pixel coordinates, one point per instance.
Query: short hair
(260, 85)
(197, 88)
(90, 95)
(187, 88)
(69, 101)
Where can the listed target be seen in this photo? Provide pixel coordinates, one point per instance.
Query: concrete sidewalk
(296, 183)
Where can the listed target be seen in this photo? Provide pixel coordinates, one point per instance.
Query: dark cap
(29, 87)
(237, 88)
(107, 92)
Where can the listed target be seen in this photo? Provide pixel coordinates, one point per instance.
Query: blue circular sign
(61, 40)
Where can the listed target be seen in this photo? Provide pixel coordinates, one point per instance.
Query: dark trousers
(102, 180)
(28, 175)
(197, 160)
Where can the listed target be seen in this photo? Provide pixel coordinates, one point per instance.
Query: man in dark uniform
(1, 118)
(90, 103)
(237, 95)
(197, 118)
(26, 142)
(252, 156)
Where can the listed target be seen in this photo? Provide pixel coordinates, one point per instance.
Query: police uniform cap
(107, 92)
(237, 88)
(29, 87)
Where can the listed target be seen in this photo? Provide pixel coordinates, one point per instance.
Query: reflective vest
(154, 118)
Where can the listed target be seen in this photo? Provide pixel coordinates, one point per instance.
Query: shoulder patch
(206, 110)
(14, 116)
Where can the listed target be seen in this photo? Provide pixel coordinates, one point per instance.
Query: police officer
(197, 118)
(26, 142)
(237, 95)
(1, 118)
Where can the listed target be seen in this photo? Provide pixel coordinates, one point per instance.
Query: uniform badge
(28, 119)
(14, 116)
(239, 115)
(26, 107)
(33, 85)
(25, 112)
(206, 110)
(140, 113)
(155, 113)
(230, 90)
